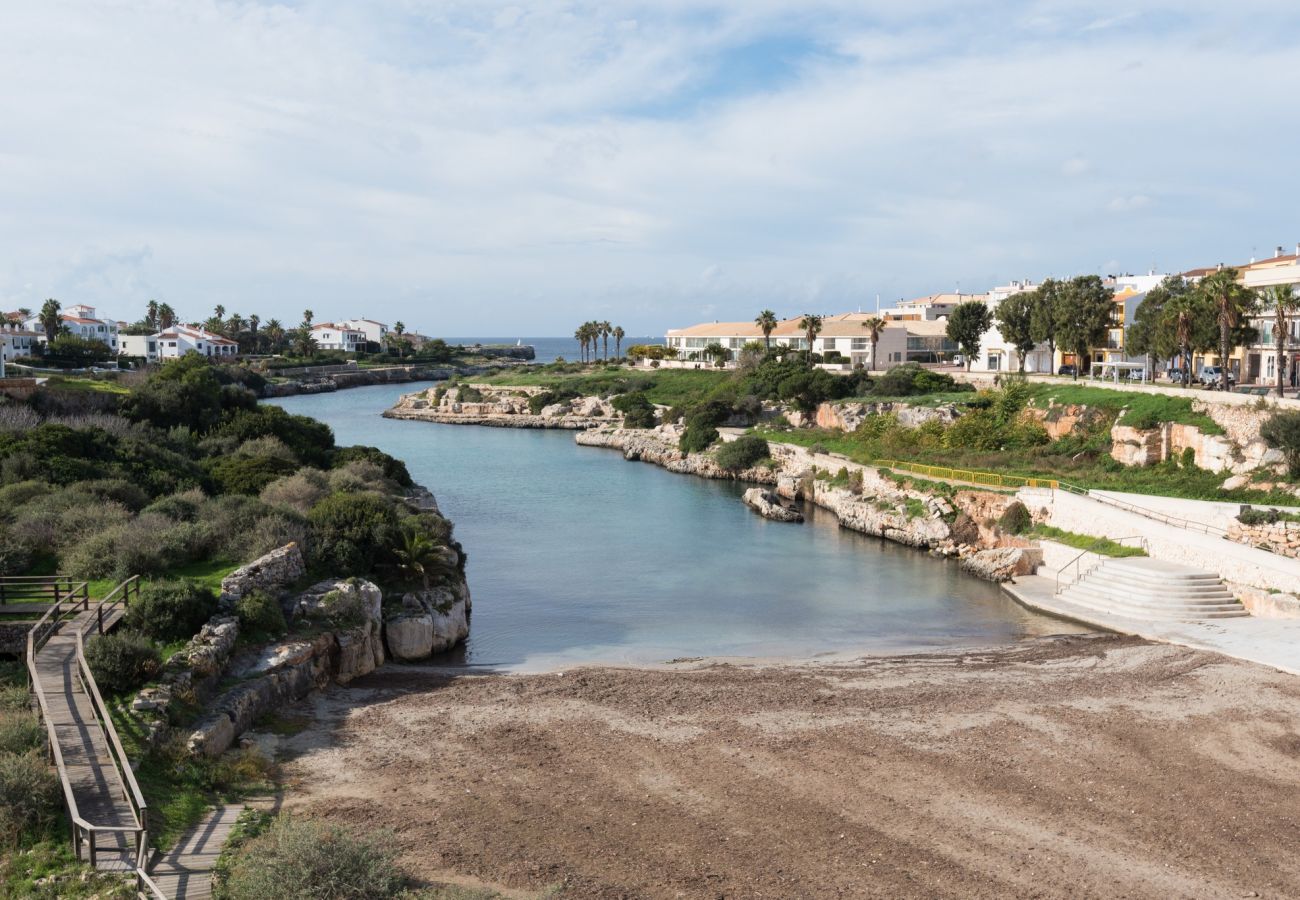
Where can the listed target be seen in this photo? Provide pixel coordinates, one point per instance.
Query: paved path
(96, 784)
(1270, 642)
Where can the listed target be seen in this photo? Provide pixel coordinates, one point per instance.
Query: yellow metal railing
(991, 479)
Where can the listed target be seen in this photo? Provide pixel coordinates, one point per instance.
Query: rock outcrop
(768, 505)
(848, 415)
(354, 610)
(502, 407)
(660, 446)
(1001, 563)
(269, 573)
(431, 622)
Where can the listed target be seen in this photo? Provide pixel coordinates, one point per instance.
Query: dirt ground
(1082, 766)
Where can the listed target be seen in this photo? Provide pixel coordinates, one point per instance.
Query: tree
(966, 326)
(51, 319)
(307, 316)
(399, 329)
(151, 315)
(1085, 309)
(619, 334)
(1181, 313)
(1282, 432)
(166, 317)
(1152, 332)
(1042, 316)
(219, 312)
(417, 556)
(874, 326)
(275, 334)
(811, 326)
(766, 322)
(1015, 317)
(253, 322)
(1232, 304)
(606, 330)
(1284, 301)
(580, 335)
(75, 352)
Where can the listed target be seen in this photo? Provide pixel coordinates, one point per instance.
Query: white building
(16, 342)
(179, 340)
(375, 332)
(338, 336)
(997, 354)
(81, 321)
(900, 341)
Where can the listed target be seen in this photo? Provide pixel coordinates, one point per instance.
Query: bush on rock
(742, 453)
(171, 610)
(122, 662)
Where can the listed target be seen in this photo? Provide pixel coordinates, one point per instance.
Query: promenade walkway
(1269, 642)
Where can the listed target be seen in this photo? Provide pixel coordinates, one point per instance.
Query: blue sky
(481, 167)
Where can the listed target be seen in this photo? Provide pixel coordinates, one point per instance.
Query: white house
(338, 336)
(142, 345)
(82, 321)
(16, 341)
(375, 332)
(914, 340)
(997, 354)
(179, 340)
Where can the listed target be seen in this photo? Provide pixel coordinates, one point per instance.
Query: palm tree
(1182, 310)
(151, 314)
(811, 326)
(417, 556)
(874, 326)
(234, 326)
(253, 322)
(50, 318)
(606, 330)
(1285, 302)
(166, 317)
(274, 334)
(218, 316)
(25, 312)
(619, 334)
(1231, 302)
(766, 321)
(307, 316)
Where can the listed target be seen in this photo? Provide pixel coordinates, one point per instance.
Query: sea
(549, 349)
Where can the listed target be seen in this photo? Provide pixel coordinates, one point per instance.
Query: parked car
(1213, 375)
(1067, 370)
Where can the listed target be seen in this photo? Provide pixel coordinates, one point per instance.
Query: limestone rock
(768, 505)
(267, 573)
(1001, 563)
(333, 601)
(409, 637)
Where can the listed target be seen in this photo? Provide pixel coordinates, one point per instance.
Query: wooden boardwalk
(95, 781)
(185, 871)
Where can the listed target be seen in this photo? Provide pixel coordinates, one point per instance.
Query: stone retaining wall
(1282, 536)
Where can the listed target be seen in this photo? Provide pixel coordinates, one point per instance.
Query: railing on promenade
(988, 479)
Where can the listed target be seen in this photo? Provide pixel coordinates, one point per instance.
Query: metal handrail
(1091, 549)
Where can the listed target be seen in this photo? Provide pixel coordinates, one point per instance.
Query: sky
(485, 168)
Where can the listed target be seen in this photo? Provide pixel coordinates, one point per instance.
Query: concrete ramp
(1151, 589)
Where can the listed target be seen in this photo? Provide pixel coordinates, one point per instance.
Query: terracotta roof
(81, 321)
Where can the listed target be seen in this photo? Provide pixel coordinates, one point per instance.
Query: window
(861, 344)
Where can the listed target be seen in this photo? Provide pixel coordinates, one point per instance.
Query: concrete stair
(1142, 588)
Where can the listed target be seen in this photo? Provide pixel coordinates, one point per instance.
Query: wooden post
(91, 837)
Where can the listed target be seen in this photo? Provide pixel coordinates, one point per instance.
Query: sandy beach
(1076, 766)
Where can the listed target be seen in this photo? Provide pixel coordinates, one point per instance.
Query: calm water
(578, 555)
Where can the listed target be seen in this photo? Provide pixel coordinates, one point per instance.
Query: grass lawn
(79, 383)
(1103, 546)
(1088, 470)
(670, 387)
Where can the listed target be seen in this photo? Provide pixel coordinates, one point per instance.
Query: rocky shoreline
(861, 497)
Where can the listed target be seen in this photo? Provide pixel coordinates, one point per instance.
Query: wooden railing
(41, 589)
(85, 833)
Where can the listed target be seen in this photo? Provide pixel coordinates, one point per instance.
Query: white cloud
(472, 164)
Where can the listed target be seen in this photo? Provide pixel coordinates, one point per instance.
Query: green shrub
(393, 468)
(697, 438)
(311, 441)
(248, 475)
(298, 859)
(468, 394)
(15, 555)
(1258, 516)
(1282, 432)
(1189, 458)
(1015, 519)
(742, 453)
(260, 616)
(538, 402)
(171, 610)
(20, 731)
(29, 795)
(352, 532)
(122, 661)
(638, 412)
(14, 697)
(13, 496)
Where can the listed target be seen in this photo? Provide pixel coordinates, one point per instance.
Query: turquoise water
(577, 555)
